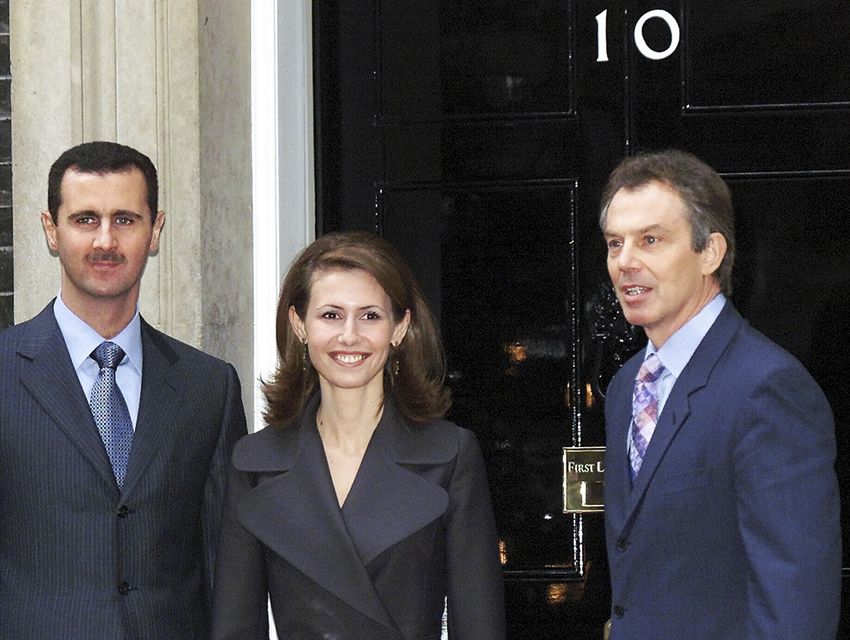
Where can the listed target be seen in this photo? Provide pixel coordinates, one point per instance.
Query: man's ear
(158, 223)
(50, 232)
(712, 255)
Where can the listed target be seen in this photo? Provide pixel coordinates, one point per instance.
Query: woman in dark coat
(359, 511)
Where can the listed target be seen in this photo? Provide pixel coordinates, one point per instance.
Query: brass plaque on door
(584, 476)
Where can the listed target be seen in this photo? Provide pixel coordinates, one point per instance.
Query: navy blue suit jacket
(417, 526)
(79, 557)
(731, 531)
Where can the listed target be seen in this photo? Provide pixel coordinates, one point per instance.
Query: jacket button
(618, 611)
(622, 544)
(123, 588)
(123, 511)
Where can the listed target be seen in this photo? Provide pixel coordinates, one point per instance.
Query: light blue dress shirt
(676, 352)
(81, 340)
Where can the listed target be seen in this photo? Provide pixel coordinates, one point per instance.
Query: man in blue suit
(109, 513)
(721, 500)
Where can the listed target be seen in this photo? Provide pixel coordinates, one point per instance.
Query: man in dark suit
(114, 438)
(721, 500)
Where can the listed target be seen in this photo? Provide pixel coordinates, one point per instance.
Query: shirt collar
(676, 352)
(81, 339)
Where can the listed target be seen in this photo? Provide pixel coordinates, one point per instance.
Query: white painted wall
(282, 164)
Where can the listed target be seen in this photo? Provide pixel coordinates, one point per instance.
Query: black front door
(476, 136)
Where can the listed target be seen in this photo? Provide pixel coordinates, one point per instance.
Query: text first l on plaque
(584, 479)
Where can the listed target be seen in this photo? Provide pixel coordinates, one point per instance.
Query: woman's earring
(394, 367)
(304, 355)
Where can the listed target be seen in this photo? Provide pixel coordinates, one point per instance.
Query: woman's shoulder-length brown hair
(417, 387)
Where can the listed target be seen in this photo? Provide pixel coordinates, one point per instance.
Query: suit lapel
(297, 516)
(158, 405)
(674, 414)
(50, 377)
(617, 467)
(408, 502)
(677, 408)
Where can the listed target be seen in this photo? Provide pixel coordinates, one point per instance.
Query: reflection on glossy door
(476, 136)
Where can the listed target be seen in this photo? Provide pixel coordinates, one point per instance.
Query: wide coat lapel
(48, 374)
(389, 501)
(295, 512)
(158, 405)
(677, 408)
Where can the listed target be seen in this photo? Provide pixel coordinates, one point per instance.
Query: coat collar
(676, 410)
(49, 376)
(296, 514)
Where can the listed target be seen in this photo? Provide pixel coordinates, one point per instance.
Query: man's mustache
(106, 257)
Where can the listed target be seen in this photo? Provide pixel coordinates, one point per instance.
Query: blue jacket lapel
(677, 408)
(158, 405)
(50, 377)
(619, 417)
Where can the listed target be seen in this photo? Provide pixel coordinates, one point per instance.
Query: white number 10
(640, 42)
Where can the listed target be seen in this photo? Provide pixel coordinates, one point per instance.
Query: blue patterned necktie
(110, 410)
(644, 410)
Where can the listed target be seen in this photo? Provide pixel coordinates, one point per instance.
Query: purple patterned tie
(644, 410)
(110, 410)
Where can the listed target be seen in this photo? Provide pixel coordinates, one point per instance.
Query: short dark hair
(707, 199)
(100, 157)
(417, 386)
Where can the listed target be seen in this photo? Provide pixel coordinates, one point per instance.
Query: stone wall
(172, 78)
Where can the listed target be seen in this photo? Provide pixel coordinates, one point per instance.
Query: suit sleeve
(240, 600)
(232, 428)
(476, 608)
(788, 509)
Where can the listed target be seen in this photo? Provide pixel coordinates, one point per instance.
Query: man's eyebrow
(642, 231)
(650, 228)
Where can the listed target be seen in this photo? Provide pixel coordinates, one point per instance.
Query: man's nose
(627, 259)
(105, 238)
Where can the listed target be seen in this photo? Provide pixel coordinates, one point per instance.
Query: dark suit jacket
(79, 558)
(731, 531)
(417, 525)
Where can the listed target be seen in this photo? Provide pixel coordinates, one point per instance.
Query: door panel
(508, 333)
(775, 54)
(477, 58)
(477, 135)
